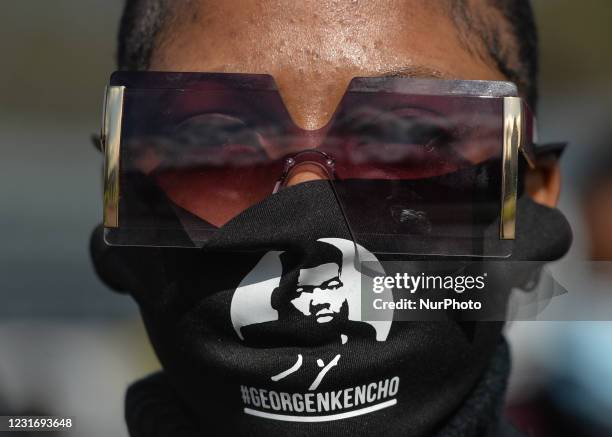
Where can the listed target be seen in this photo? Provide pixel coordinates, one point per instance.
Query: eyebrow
(335, 278)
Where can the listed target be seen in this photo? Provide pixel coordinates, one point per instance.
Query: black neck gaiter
(259, 334)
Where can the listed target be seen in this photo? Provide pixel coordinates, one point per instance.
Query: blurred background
(70, 347)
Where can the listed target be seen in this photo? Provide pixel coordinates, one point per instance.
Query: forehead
(318, 275)
(314, 47)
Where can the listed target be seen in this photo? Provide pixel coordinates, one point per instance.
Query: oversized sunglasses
(418, 166)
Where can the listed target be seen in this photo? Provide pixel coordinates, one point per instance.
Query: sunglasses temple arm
(531, 148)
(530, 138)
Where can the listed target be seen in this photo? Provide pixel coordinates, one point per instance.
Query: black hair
(141, 23)
(144, 20)
(311, 255)
(483, 33)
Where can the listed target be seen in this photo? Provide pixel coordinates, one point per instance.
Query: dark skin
(598, 213)
(313, 48)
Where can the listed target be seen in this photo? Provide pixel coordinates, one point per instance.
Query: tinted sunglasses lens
(414, 172)
(189, 168)
(422, 175)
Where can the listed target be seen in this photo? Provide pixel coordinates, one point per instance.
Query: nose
(317, 305)
(305, 173)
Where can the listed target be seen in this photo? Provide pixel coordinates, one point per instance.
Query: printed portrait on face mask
(316, 291)
(314, 298)
(321, 293)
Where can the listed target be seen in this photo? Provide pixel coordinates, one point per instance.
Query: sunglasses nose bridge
(305, 166)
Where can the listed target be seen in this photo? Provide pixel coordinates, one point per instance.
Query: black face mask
(259, 331)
